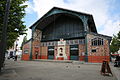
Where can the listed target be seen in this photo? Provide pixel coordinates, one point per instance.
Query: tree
(24, 40)
(16, 25)
(115, 44)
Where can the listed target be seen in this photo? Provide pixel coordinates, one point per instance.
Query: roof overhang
(109, 38)
(46, 21)
(56, 12)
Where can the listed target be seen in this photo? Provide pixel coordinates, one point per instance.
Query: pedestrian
(36, 55)
(119, 61)
(15, 58)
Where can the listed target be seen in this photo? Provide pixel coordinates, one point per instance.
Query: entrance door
(74, 52)
(50, 52)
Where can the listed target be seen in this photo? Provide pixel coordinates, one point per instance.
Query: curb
(66, 61)
(55, 61)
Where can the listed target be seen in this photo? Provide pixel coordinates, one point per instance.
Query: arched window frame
(97, 41)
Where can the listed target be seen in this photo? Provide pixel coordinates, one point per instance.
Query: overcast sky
(106, 13)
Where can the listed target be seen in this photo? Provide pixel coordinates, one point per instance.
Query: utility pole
(3, 42)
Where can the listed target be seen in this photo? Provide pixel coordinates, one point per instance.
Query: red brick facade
(36, 49)
(81, 52)
(102, 51)
(41, 52)
(44, 51)
(26, 49)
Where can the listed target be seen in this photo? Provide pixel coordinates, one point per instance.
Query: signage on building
(50, 49)
(61, 42)
(61, 49)
(73, 48)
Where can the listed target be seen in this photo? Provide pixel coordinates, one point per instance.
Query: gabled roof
(109, 38)
(54, 13)
(54, 8)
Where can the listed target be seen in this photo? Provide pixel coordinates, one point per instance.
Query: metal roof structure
(55, 12)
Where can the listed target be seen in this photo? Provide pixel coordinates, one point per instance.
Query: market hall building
(63, 34)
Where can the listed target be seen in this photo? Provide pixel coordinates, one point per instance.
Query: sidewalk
(8, 73)
(54, 70)
(56, 61)
(116, 71)
(64, 61)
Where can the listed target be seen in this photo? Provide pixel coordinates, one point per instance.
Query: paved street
(39, 70)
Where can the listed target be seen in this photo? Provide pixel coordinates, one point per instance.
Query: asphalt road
(37, 70)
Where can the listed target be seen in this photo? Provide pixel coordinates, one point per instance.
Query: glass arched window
(97, 42)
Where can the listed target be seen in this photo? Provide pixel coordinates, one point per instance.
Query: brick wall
(102, 51)
(68, 52)
(55, 52)
(26, 51)
(81, 52)
(44, 52)
(36, 49)
(36, 44)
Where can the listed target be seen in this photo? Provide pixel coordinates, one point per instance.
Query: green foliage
(115, 44)
(16, 25)
(24, 40)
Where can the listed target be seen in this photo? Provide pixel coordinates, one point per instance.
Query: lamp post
(3, 42)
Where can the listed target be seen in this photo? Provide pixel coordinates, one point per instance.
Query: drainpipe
(86, 29)
(31, 49)
(86, 46)
(30, 57)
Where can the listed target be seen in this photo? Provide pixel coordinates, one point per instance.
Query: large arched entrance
(63, 26)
